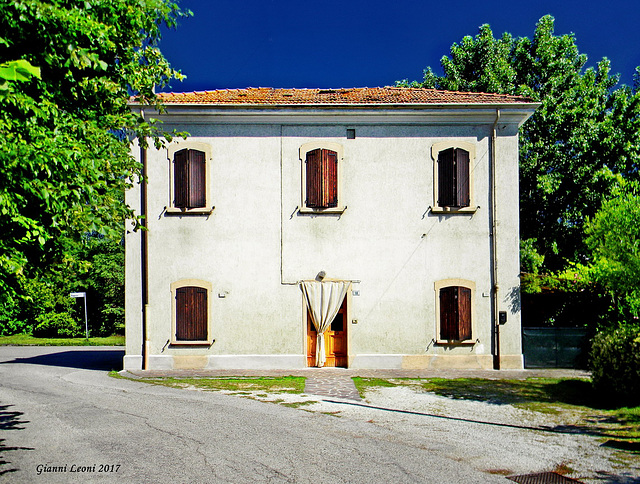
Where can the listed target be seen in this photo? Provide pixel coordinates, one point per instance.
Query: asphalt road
(63, 419)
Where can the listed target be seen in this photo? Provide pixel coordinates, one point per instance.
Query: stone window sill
(190, 211)
(453, 210)
(321, 211)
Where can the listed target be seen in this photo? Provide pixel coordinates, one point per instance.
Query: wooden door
(335, 340)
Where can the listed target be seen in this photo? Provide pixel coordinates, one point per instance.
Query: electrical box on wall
(502, 317)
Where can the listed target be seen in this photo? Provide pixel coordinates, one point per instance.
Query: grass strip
(28, 340)
(284, 384)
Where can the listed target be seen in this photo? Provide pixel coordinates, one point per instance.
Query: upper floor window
(453, 176)
(189, 178)
(321, 177)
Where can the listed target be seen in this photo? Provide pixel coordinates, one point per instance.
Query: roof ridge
(341, 95)
(399, 88)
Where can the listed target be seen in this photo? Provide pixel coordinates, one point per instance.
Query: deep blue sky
(356, 43)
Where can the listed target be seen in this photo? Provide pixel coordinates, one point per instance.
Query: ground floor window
(191, 314)
(454, 314)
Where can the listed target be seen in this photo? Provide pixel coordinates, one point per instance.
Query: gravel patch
(494, 438)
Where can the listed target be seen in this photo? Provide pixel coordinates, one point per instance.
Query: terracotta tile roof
(360, 95)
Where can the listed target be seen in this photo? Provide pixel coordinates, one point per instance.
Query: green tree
(573, 148)
(94, 265)
(65, 124)
(613, 236)
(101, 276)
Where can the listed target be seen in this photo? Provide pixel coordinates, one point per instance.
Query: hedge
(615, 364)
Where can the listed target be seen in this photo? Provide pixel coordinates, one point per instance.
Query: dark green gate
(555, 347)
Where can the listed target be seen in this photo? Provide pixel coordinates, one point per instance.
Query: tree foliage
(67, 71)
(613, 235)
(103, 281)
(15, 71)
(574, 150)
(94, 265)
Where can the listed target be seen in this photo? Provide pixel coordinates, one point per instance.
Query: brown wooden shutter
(197, 179)
(183, 310)
(181, 179)
(330, 178)
(462, 198)
(453, 178)
(199, 322)
(448, 313)
(189, 179)
(446, 176)
(464, 313)
(322, 179)
(314, 179)
(455, 313)
(191, 313)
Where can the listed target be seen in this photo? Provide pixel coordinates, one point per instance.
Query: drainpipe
(144, 251)
(494, 253)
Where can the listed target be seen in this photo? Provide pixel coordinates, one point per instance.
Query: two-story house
(366, 227)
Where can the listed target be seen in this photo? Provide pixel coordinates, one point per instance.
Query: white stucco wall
(256, 245)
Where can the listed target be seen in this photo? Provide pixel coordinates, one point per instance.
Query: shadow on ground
(629, 477)
(9, 420)
(592, 430)
(104, 360)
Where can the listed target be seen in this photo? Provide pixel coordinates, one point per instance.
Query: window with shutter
(453, 178)
(321, 175)
(191, 314)
(455, 313)
(189, 179)
(190, 307)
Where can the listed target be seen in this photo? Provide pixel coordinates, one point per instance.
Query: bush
(615, 364)
(42, 297)
(51, 325)
(10, 321)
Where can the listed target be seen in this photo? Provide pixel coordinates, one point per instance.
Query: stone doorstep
(330, 386)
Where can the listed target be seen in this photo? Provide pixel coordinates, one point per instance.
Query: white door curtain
(323, 300)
